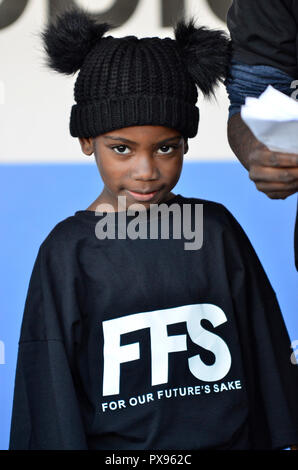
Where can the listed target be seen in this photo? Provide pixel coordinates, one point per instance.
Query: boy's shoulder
(65, 233)
(213, 212)
(218, 220)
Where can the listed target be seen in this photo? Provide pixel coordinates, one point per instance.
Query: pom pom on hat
(68, 41)
(206, 53)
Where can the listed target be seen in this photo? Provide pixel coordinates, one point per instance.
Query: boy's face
(142, 163)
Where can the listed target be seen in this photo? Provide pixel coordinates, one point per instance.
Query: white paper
(273, 119)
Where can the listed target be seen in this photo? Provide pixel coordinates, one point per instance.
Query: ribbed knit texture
(129, 81)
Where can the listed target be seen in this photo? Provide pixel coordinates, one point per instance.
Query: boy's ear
(185, 146)
(87, 145)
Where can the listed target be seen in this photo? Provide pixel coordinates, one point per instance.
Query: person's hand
(274, 173)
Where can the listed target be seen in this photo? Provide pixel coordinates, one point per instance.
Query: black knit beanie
(129, 81)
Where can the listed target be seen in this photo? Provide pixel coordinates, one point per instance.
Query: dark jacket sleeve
(265, 33)
(272, 378)
(46, 413)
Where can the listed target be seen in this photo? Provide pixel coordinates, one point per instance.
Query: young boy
(150, 341)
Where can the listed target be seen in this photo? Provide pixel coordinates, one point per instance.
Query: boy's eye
(167, 149)
(121, 149)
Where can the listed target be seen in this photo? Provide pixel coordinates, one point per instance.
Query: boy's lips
(142, 196)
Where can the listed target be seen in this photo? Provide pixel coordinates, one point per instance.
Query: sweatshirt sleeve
(272, 378)
(265, 34)
(46, 413)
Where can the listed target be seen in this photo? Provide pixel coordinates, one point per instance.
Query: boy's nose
(145, 168)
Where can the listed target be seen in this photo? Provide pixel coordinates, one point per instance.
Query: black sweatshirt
(143, 344)
(265, 33)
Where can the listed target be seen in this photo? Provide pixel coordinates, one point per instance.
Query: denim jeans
(251, 80)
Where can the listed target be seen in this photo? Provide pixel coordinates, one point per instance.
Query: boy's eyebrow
(132, 142)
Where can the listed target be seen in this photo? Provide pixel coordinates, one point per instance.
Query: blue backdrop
(34, 198)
